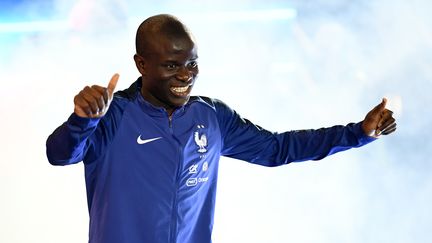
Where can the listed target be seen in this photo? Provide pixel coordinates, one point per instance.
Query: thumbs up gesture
(93, 102)
(379, 121)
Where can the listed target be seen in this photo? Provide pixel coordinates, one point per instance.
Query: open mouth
(181, 91)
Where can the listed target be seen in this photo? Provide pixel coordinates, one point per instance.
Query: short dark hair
(165, 25)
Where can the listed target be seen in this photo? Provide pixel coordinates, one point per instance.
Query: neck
(157, 103)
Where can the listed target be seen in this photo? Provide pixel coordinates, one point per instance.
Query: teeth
(180, 89)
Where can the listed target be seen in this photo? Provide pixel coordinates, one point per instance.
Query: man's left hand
(379, 121)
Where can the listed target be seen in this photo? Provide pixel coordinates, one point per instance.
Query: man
(151, 151)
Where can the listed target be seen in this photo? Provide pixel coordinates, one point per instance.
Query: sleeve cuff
(362, 137)
(82, 122)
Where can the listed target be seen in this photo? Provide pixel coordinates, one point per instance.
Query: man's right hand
(93, 102)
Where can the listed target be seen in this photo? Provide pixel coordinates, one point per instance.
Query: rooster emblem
(201, 141)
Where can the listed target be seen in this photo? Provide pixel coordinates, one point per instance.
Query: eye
(193, 64)
(171, 66)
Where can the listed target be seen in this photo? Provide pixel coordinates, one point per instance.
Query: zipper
(174, 219)
(173, 227)
(170, 123)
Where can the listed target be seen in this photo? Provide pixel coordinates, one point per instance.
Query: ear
(140, 64)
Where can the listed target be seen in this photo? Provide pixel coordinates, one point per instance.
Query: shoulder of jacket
(212, 103)
(129, 93)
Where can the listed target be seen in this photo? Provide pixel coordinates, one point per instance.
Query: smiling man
(166, 58)
(151, 152)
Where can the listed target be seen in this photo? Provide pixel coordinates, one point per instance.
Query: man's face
(168, 71)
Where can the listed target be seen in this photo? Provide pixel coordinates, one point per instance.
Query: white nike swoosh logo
(140, 141)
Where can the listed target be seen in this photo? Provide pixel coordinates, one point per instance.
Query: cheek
(164, 75)
(195, 72)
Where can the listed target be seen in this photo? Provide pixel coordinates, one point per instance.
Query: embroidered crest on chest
(200, 139)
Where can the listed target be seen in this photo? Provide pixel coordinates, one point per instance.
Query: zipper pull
(170, 120)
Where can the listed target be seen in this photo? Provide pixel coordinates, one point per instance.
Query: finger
(385, 121)
(389, 124)
(94, 95)
(112, 84)
(100, 90)
(82, 107)
(389, 129)
(99, 93)
(106, 96)
(381, 106)
(385, 116)
(387, 112)
(91, 99)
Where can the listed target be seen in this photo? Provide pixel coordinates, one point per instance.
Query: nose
(184, 74)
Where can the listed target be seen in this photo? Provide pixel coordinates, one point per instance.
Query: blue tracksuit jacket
(150, 179)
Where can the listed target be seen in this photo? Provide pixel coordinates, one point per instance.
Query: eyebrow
(175, 61)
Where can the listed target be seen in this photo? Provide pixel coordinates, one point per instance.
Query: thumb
(381, 106)
(112, 84)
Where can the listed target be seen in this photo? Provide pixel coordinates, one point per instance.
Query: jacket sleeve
(244, 140)
(69, 143)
